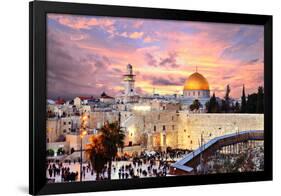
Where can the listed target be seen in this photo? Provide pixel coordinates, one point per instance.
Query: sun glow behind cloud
(88, 55)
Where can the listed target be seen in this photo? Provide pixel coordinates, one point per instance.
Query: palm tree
(113, 139)
(95, 153)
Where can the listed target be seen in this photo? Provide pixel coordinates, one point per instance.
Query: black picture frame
(37, 96)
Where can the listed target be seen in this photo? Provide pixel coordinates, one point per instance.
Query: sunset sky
(87, 55)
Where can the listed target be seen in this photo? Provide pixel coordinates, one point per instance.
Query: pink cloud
(149, 39)
(81, 22)
(203, 49)
(137, 23)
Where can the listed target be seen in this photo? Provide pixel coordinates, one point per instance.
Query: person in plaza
(119, 173)
(50, 172)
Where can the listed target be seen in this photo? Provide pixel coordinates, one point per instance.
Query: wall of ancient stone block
(192, 126)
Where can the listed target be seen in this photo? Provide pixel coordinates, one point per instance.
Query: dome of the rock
(196, 86)
(196, 81)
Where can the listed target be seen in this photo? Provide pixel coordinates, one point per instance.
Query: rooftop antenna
(196, 68)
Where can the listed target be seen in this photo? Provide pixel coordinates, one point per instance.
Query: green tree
(243, 101)
(236, 107)
(114, 139)
(212, 105)
(60, 151)
(50, 152)
(195, 105)
(260, 100)
(251, 106)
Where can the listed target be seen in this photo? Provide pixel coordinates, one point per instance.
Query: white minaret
(129, 81)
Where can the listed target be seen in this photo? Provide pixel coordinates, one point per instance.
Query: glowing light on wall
(142, 108)
(132, 130)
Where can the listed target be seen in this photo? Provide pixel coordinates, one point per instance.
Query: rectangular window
(154, 128)
(164, 128)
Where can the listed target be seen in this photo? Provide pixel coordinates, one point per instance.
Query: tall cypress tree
(226, 101)
(243, 101)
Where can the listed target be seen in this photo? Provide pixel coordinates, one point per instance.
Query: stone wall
(192, 126)
(148, 128)
(98, 118)
(161, 129)
(54, 129)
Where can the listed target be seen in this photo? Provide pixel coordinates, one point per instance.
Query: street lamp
(83, 132)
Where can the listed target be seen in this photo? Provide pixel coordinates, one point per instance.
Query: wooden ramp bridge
(188, 164)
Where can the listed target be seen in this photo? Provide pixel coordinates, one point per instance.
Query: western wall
(192, 126)
(161, 129)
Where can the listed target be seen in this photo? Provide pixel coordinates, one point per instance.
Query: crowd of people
(145, 164)
(143, 167)
(56, 168)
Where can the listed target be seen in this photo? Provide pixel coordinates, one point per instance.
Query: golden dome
(196, 82)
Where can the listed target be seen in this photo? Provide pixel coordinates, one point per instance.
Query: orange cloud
(136, 35)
